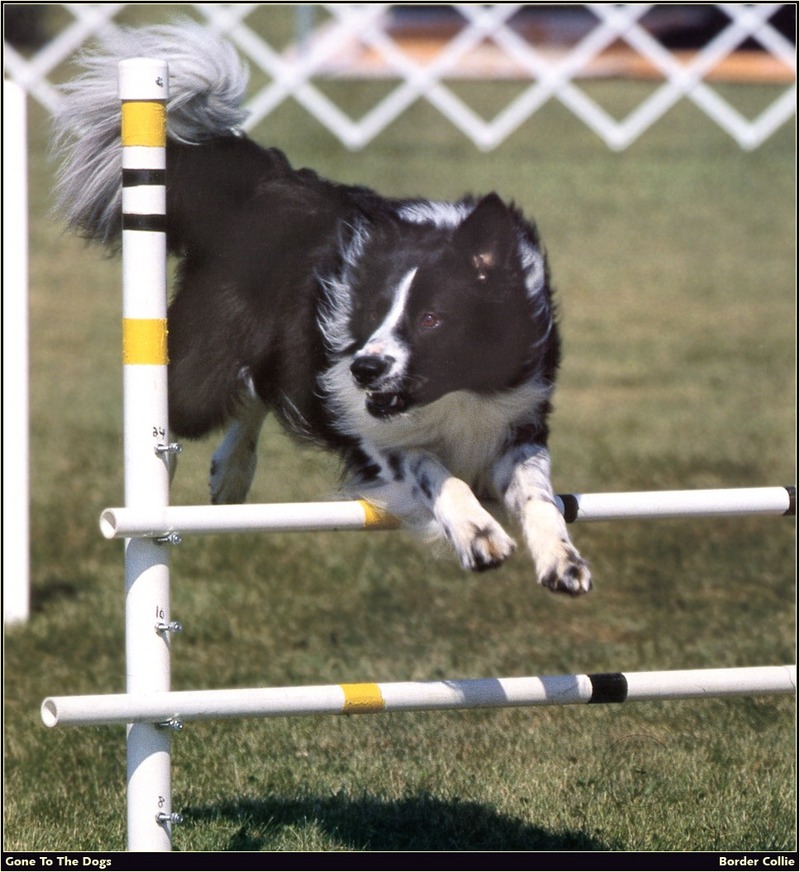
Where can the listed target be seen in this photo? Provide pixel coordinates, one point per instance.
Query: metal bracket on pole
(168, 448)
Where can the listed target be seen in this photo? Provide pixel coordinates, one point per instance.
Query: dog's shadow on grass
(419, 823)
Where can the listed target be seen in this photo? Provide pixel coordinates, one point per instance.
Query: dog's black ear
(488, 235)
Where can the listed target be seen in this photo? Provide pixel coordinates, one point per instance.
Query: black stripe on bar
(152, 223)
(134, 178)
(570, 507)
(608, 687)
(792, 510)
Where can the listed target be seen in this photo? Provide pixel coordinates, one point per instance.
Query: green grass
(674, 263)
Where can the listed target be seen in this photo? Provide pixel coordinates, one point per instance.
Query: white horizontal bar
(418, 695)
(698, 683)
(277, 517)
(359, 515)
(678, 504)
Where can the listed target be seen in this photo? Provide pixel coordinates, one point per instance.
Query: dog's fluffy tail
(207, 82)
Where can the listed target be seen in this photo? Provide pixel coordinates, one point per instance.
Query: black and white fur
(415, 338)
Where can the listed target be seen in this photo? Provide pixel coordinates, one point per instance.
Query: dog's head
(449, 298)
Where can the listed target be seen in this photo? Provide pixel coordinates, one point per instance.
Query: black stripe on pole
(608, 687)
(792, 510)
(153, 223)
(134, 178)
(570, 502)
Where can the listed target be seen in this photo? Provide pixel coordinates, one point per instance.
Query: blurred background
(544, 48)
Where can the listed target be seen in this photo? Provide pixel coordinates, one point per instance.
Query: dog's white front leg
(417, 488)
(523, 477)
(479, 540)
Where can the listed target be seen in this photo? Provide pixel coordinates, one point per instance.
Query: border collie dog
(415, 338)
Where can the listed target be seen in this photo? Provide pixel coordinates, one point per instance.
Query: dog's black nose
(367, 369)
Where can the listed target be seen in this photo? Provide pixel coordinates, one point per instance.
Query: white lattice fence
(357, 39)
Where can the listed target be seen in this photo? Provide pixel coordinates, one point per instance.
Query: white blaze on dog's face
(381, 364)
(449, 316)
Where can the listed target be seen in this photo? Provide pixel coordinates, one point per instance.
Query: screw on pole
(168, 448)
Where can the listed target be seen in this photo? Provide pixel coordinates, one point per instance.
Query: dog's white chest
(465, 431)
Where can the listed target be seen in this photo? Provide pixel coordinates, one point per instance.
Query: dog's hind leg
(234, 463)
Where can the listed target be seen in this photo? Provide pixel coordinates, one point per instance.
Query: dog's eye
(430, 321)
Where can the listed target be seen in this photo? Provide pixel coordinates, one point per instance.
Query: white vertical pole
(16, 532)
(143, 88)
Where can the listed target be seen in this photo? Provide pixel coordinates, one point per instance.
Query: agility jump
(149, 708)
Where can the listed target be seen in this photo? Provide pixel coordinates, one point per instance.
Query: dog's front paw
(480, 542)
(481, 546)
(569, 573)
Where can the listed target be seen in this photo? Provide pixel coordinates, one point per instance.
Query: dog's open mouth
(385, 404)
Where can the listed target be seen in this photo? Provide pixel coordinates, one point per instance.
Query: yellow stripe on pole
(362, 699)
(144, 341)
(376, 518)
(144, 122)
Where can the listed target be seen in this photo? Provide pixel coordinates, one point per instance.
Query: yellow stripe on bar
(362, 699)
(376, 518)
(144, 341)
(144, 122)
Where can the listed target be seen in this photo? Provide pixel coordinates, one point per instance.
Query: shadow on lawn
(420, 823)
